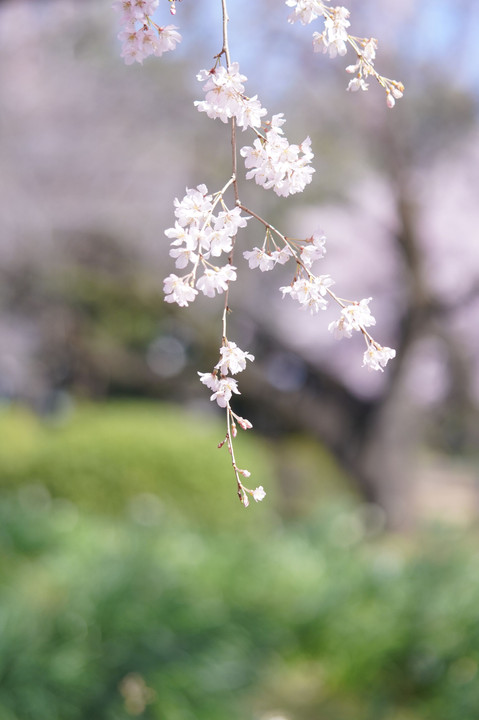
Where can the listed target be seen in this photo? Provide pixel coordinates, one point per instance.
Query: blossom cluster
(225, 97)
(266, 260)
(364, 67)
(361, 69)
(232, 360)
(272, 161)
(310, 292)
(141, 36)
(353, 317)
(276, 164)
(335, 38)
(357, 316)
(313, 292)
(198, 236)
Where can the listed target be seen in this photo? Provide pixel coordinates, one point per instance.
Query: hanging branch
(206, 227)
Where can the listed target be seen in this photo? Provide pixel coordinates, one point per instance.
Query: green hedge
(103, 456)
(109, 618)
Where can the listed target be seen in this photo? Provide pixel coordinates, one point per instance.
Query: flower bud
(244, 424)
(390, 100)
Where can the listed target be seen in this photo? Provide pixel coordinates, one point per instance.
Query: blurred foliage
(144, 616)
(133, 584)
(100, 457)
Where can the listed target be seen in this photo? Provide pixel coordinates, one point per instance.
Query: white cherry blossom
(310, 292)
(282, 256)
(257, 257)
(219, 242)
(223, 388)
(340, 328)
(178, 234)
(210, 380)
(357, 83)
(168, 38)
(178, 290)
(233, 359)
(183, 256)
(305, 10)
(215, 280)
(224, 391)
(230, 221)
(195, 207)
(376, 357)
(259, 494)
(313, 250)
(358, 314)
(353, 317)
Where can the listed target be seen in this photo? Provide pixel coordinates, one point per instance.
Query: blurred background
(132, 582)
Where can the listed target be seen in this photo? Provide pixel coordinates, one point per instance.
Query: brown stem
(226, 51)
(263, 221)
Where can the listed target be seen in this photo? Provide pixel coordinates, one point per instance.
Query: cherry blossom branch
(203, 232)
(356, 315)
(334, 40)
(264, 222)
(223, 387)
(243, 492)
(226, 51)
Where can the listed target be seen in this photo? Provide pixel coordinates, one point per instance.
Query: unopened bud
(244, 424)
(390, 100)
